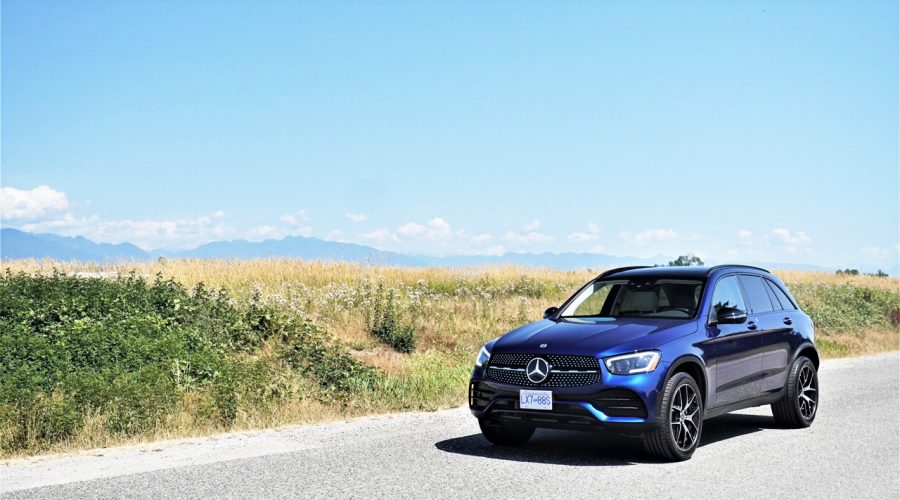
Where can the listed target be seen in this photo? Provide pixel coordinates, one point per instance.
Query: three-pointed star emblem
(537, 370)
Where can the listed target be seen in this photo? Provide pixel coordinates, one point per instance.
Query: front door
(738, 362)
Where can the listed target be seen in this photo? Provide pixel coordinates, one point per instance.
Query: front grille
(561, 361)
(620, 403)
(565, 370)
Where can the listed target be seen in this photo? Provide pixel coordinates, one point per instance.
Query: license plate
(536, 400)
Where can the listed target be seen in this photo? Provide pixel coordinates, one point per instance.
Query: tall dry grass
(451, 309)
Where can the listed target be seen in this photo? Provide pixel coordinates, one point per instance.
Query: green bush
(385, 323)
(314, 353)
(848, 308)
(129, 350)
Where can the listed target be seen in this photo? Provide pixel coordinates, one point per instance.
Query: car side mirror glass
(550, 312)
(731, 316)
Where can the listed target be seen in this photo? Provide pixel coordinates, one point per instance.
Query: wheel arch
(693, 366)
(808, 350)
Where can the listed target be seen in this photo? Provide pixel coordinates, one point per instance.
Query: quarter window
(728, 294)
(757, 294)
(781, 296)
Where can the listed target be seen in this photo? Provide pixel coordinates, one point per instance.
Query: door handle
(751, 325)
(787, 321)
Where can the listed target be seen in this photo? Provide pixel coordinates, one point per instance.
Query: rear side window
(727, 294)
(757, 294)
(780, 296)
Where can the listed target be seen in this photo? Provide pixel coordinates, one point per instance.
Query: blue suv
(652, 352)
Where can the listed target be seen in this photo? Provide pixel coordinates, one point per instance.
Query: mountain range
(16, 244)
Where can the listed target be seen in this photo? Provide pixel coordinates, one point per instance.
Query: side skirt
(765, 399)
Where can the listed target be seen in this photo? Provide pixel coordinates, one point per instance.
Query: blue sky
(747, 131)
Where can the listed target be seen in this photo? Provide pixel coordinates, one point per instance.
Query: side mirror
(550, 312)
(731, 315)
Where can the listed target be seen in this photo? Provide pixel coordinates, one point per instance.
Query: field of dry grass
(451, 309)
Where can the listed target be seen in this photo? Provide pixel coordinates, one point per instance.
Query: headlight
(629, 364)
(483, 357)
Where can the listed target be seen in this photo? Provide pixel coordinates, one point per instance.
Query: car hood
(599, 338)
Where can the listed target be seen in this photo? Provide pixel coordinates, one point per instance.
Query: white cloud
(295, 218)
(381, 234)
(334, 235)
(357, 217)
(529, 238)
(745, 237)
(579, 237)
(495, 250)
(264, 232)
(300, 231)
(592, 234)
(21, 204)
(799, 238)
(436, 229)
(654, 235)
(434, 237)
(532, 226)
(147, 234)
(411, 229)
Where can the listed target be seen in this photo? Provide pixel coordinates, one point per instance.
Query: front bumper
(621, 403)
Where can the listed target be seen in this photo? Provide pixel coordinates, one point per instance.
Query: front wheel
(506, 435)
(801, 396)
(679, 421)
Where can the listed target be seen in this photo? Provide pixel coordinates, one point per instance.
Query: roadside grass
(93, 355)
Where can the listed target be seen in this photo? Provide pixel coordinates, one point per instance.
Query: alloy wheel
(684, 417)
(807, 396)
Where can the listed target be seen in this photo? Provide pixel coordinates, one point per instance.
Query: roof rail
(619, 270)
(723, 266)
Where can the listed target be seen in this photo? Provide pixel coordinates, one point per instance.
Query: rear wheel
(679, 421)
(801, 396)
(506, 435)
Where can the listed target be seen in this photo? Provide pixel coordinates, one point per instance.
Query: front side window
(642, 298)
(728, 294)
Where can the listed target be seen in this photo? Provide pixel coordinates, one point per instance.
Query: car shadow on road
(596, 449)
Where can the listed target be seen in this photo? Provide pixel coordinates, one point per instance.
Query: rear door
(773, 353)
(779, 339)
(736, 347)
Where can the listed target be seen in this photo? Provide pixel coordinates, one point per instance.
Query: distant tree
(847, 272)
(879, 274)
(687, 260)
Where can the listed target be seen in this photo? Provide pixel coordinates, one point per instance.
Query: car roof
(678, 272)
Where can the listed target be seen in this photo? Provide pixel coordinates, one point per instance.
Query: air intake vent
(620, 403)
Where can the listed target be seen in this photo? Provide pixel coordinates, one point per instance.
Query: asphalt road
(852, 450)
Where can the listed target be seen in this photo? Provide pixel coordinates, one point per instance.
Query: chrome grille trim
(567, 370)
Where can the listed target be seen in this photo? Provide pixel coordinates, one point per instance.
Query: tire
(675, 438)
(800, 404)
(506, 435)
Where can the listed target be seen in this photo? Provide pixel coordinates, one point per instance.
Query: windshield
(641, 298)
